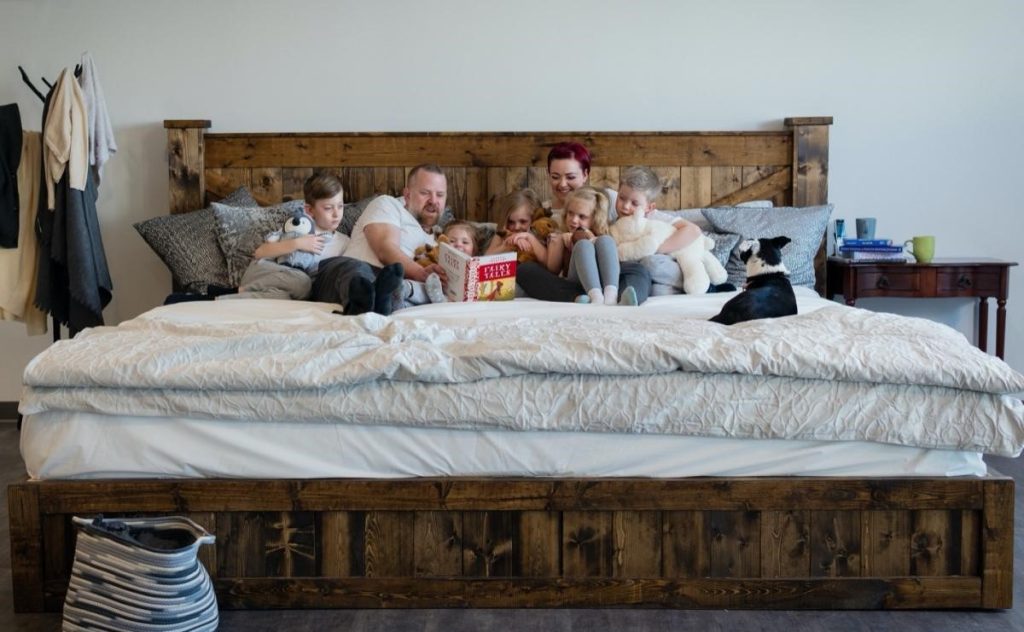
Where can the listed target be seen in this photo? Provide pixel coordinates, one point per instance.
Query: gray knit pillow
(665, 270)
(805, 226)
(187, 244)
(241, 230)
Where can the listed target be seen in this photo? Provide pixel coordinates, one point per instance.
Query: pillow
(241, 230)
(696, 215)
(187, 244)
(353, 211)
(665, 270)
(804, 226)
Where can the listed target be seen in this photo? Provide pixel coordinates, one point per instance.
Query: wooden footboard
(686, 543)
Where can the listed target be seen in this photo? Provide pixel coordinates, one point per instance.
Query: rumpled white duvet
(830, 373)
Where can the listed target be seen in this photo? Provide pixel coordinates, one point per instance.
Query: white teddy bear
(638, 237)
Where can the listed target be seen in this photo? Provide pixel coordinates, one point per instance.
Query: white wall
(926, 97)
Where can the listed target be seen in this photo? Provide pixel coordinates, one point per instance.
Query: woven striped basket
(140, 574)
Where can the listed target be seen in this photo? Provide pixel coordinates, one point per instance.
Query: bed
(599, 507)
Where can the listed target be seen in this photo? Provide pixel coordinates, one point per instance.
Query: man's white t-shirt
(385, 209)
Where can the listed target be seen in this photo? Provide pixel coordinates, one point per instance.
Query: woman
(568, 170)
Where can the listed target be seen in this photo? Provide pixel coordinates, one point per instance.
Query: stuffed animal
(426, 255)
(638, 237)
(768, 292)
(541, 227)
(298, 225)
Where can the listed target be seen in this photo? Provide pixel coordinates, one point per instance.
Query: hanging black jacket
(10, 158)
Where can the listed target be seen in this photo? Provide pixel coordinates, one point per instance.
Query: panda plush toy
(298, 225)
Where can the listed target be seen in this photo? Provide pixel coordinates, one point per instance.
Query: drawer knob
(964, 282)
(882, 283)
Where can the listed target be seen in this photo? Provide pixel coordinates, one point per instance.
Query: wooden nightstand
(981, 278)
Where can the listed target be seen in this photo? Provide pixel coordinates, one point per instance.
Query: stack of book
(871, 250)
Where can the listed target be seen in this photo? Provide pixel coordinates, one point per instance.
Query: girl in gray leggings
(593, 259)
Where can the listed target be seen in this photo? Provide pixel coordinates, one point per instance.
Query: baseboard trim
(9, 410)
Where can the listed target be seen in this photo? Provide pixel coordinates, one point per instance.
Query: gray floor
(11, 469)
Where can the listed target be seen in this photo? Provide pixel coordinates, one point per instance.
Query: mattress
(85, 445)
(182, 412)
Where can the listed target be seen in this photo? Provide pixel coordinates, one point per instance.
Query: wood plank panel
(59, 537)
(684, 544)
(997, 544)
(476, 209)
(388, 181)
(389, 538)
(536, 544)
(820, 594)
(970, 538)
(186, 178)
(341, 543)
(538, 180)
(240, 544)
(810, 159)
(671, 192)
(725, 181)
(289, 544)
(772, 187)
(636, 542)
(502, 180)
(694, 187)
(886, 542)
(221, 182)
(722, 494)
(292, 181)
(456, 200)
(357, 182)
(587, 548)
(266, 186)
(437, 543)
(835, 543)
(785, 544)
(604, 177)
(487, 543)
(494, 149)
(735, 544)
(934, 552)
(26, 527)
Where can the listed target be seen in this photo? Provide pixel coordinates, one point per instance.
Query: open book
(484, 278)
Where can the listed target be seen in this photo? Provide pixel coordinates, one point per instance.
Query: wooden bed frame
(767, 542)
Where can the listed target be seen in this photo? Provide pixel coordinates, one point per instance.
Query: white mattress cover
(62, 445)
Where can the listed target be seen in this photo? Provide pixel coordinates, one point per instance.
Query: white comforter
(830, 373)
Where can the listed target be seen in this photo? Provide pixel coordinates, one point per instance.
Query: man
(384, 239)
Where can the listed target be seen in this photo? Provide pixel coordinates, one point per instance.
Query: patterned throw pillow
(241, 230)
(805, 226)
(187, 244)
(665, 271)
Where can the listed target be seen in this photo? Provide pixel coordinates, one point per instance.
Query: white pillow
(696, 215)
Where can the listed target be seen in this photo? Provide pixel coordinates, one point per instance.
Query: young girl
(585, 252)
(462, 237)
(516, 210)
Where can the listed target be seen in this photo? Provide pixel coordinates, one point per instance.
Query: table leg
(1000, 326)
(983, 323)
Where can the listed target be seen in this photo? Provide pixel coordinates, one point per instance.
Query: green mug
(922, 247)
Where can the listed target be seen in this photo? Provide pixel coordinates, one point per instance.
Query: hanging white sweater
(65, 137)
(101, 132)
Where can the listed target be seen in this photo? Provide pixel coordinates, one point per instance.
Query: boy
(639, 187)
(266, 278)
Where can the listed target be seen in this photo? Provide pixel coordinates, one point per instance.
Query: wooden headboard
(699, 169)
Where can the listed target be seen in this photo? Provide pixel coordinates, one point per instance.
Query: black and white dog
(768, 292)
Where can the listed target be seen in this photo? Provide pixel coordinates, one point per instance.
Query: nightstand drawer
(888, 283)
(967, 282)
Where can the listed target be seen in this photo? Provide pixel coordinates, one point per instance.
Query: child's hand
(582, 234)
(311, 243)
(519, 241)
